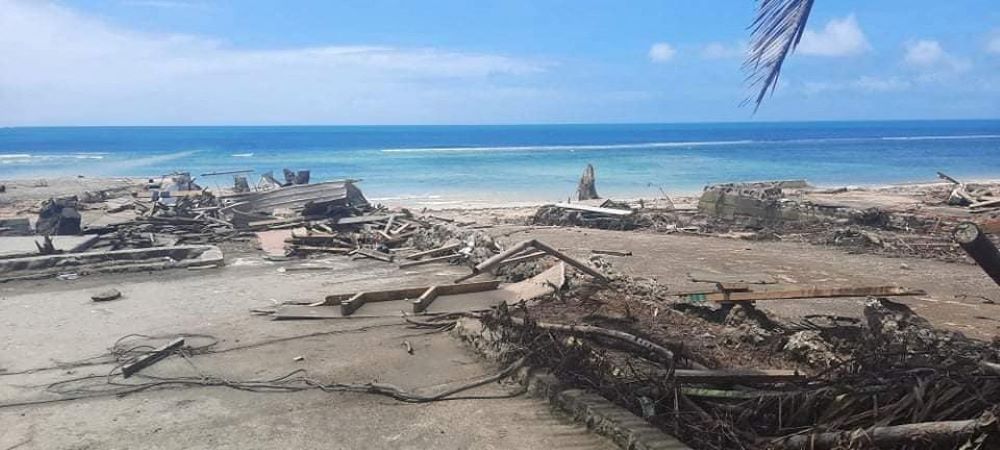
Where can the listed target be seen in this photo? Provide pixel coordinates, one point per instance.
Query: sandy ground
(53, 321)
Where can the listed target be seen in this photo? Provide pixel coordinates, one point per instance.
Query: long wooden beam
(435, 251)
(810, 292)
(421, 262)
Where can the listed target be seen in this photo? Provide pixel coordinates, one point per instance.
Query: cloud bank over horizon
(65, 65)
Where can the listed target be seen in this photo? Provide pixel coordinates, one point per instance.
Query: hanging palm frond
(774, 34)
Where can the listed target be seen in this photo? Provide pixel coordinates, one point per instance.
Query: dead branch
(892, 436)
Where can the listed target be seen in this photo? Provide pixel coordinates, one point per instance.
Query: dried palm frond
(775, 33)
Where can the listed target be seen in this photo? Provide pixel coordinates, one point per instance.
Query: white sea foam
(520, 148)
(242, 155)
(406, 197)
(32, 157)
(946, 137)
(677, 144)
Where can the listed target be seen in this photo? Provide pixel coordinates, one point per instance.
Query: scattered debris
(144, 361)
(58, 216)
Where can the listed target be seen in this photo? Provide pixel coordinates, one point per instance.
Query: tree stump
(587, 190)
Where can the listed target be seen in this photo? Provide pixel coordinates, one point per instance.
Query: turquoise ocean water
(521, 163)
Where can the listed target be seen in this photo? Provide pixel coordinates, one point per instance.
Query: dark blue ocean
(441, 164)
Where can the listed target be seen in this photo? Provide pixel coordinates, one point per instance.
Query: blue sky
(158, 62)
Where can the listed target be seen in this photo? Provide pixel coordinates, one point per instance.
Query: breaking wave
(679, 144)
(521, 148)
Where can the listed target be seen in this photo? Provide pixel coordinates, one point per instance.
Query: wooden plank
(611, 252)
(362, 219)
(527, 256)
(375, 255)
(317, 248)
(388, 224)
(810, 292)
(430, 260)
(434, 251)
(465, 288)
(129, 369)
(352, 304)
(286, 221)
(596, 209)
(571, 261)
(985, 204)
(425, 300)
(736, 376)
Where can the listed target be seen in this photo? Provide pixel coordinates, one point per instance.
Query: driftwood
(954, 431)
(587, 189)
(980, 248)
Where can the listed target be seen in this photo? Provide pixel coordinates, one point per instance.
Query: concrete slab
(45, 322)
(14, 246)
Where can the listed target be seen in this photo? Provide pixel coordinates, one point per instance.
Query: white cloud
(719, 50)
(924, 53)
(865, 83)
(993, 43)
(840, 37)
(928, 55)
(877, 84)
(166, 4)
(61, 66)
(661, 52)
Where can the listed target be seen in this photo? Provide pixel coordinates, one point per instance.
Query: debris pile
(890, 382)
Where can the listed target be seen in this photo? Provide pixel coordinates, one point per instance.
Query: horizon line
(528, 124)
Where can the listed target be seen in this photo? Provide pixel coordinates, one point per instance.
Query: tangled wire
(130, 348)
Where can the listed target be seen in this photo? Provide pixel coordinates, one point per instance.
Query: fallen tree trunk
(980, 248)
(663, 354)
(954, 431)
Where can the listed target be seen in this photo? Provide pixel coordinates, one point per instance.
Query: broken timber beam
(375, 255)
(129, 369)
(985, 204)
(429, 260)
(435, 251)
(736, 376)
(596, 209)
(980, 248)
(923, 434)
(495, 260)
(527, 256)
(812, 292)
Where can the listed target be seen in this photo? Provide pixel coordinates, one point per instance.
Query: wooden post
(980, 248)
